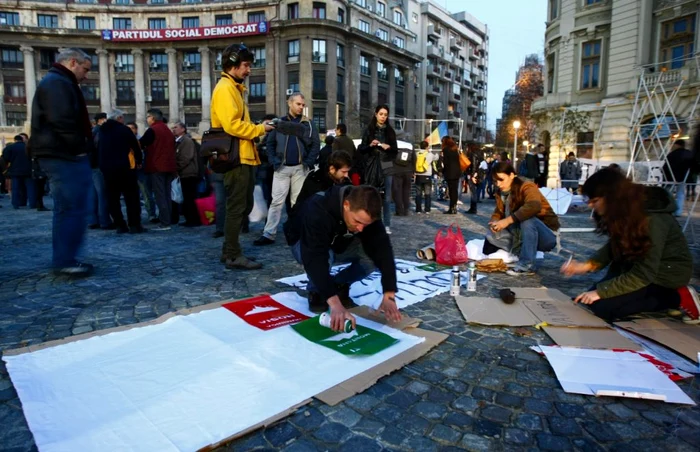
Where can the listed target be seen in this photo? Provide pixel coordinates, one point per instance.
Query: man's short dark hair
(26, 137)
(269, 117)
(423, 144)
(339, 159)
(540, 145)
(132, 123)
(571, 154)
(101, 115)
(155, 113)
(329, 139)
(680, 143)
(342, 128)
(367, 198)
(234, 55)
(19, 138)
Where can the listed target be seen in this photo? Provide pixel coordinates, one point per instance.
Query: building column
(332, 83)
(29, 78)
(205, 122)
(274, 80)
(409, 97)
(391, 98)
(173, 86)
(306, 74)
(139, 89)
(374, 81)
(352, 93)
(105, 91)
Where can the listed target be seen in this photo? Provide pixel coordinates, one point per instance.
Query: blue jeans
(534, 235)
(217, 181)
(360, 265)
(386, 214)
(23, 192)
(481, 190)
(149, 201)
(680, 199)
(71, 182)
(98, 207)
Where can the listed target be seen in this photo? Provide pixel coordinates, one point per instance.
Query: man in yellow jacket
(228, 111)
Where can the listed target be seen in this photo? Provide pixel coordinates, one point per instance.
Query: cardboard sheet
(676, 335)
(593, 338)
(170, 385)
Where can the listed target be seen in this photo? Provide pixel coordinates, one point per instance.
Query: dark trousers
(453, 188)
(424, 190)
(239, 184)
(650, 298)
(23, 192)
(118, 183)
(401, 192)
(189, 193)
(40, 187)
(161, 189)
(473, 194)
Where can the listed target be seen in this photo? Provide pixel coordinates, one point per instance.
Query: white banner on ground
(179, 385)
(414, 284)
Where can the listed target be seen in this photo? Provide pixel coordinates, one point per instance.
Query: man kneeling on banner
(343, 224)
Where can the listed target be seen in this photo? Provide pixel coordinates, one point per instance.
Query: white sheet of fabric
(559, 198)
(259, 212)
(476, 246)
(414, 285)
(179, 385)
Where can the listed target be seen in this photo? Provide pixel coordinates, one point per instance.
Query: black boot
(472, 210)
(316, 305)
(344, 295)
(245, 226)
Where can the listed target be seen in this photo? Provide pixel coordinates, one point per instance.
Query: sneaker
(217, 234)
(262, 241)
(690, 304)
(388, 230)
(153, 220)
(519, 271)
(459, 203)
(162, 227)
(76, 270)
(242, 263)
(137, 230)
(471, 212)
(316, 305)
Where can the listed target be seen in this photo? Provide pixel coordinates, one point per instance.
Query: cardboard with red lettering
(682, 338)
(265, 313)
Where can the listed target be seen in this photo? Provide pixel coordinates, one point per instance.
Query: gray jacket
(305, 133)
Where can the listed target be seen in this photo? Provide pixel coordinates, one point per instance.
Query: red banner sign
(186, 34)
(265, 313)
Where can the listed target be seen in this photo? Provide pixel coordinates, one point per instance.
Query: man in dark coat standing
(61, 138)
(20, 171)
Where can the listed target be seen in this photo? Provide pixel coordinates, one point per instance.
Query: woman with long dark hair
(648, 257)
(451, 171)
(523, 221)
(379, 147)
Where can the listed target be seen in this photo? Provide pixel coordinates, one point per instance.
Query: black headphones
(234, 57)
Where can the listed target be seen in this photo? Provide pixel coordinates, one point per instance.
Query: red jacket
(159, 143)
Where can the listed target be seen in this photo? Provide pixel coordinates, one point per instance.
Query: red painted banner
(186, 34)
(265, 313)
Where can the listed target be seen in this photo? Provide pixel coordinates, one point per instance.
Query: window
(14, 90)
(91, 92)
(86, 1)
(192, 62)
(341, 114)
(553, 9)
(124, 62)
(16, 118)
(381, 71)
(398, 17)
(47, 57)
(363, 26)
(592, 2)
(193, 1)
(550, 73)
(319, 51)
(340, 54)
(381, 9)
(382, 34)
(381, 96)
(94, 60)
(257, 93)
(256, 17)
(398, 99)
(341, 15)
(364, 95)
(590, 65)
(319, 90)
(12, 59)
(677, 41)
(259, 53)
(399, 42)
(340, 87)
(47, 20)
(398, 77)
(319, 118)
(319, 10)
(293, 11)
(159, 62)
(125, 90)
(9, 18)
(193, 91)
(223, 19)
(157, 23)
(159, 91)
(293, 81)
(364, 65)
(293, 51)
(584, 144)
(122, 2)
(156, 2)
(190, 22)
(85, 23)
(362, 3)
(664, 126)
(121, 23)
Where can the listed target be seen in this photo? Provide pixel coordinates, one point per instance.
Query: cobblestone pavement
(482, 389)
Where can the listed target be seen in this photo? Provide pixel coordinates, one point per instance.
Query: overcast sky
(516, 29)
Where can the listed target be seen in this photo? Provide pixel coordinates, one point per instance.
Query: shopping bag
(464, 161)
(176, 191)
(259, 212)
(206, 207)
(450, 248)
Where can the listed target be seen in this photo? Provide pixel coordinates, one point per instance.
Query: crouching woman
(523, 220)
(649, 264)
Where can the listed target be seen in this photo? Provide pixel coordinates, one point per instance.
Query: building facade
(596, 52)
(346, 57)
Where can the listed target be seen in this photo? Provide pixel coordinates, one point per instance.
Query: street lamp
(516, 126)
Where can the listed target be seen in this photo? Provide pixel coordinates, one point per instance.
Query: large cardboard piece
(678, 336)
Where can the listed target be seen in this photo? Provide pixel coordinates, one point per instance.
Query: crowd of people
(338, 198)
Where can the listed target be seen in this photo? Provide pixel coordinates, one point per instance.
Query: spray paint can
(471, 277)
(454, 287)
(325, 320)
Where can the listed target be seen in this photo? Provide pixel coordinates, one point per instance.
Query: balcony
(456, 44)
(472, 54)
(455, 97)
(434, 31)
(14, 100)
(318, 57)
(434, 51)
(668, 77)
(469, 120)
(434, 69)
(436, 108)
(468, 136)
(480, 93)
(482, 63)
(458, 79)
(448, 75)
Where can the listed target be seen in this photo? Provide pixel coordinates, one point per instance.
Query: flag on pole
(435, 137)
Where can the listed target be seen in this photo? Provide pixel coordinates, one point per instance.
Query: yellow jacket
(227, 107)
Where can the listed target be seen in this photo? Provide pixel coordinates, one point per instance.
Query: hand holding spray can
(471, 277)
(325, 320)
(456, 277)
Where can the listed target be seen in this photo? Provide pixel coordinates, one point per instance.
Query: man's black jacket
(322, 229)
(116, 141)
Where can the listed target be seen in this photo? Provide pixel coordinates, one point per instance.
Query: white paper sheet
(179, 385)
(606, 372)
(475, 247)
